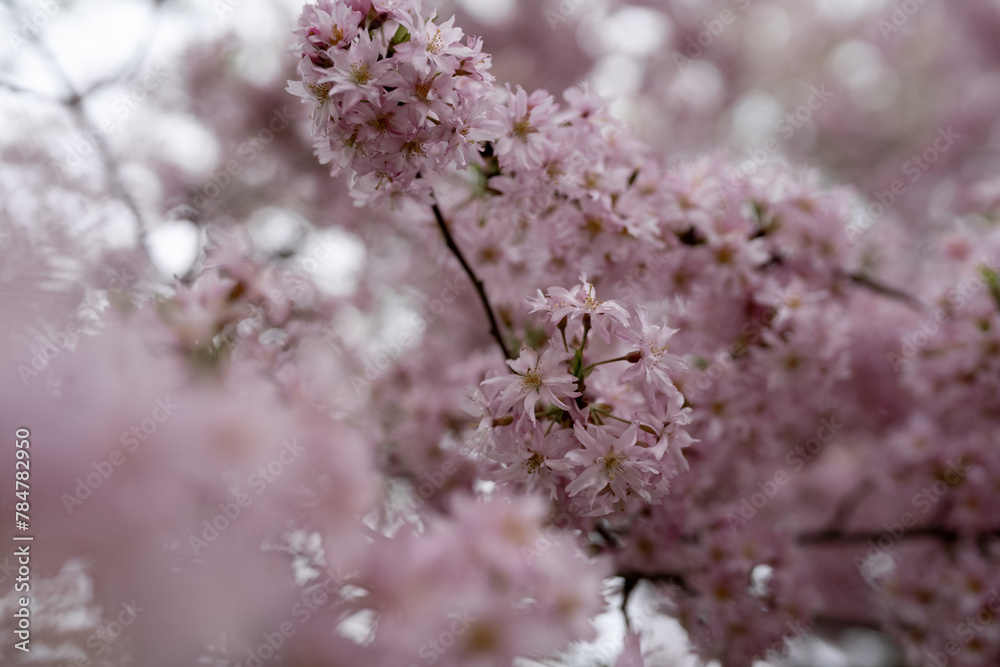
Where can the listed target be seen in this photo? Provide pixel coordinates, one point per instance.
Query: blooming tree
(567, 369)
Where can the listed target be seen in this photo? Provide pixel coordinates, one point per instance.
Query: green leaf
(402, 35)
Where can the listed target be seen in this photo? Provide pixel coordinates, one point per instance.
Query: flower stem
(607, 413)
(480, 289)
(606, 361)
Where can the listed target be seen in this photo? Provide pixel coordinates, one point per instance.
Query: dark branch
(670, 578)
(850, 502)
(946, 535)
(450, 242)
(112, 171)
(870, 283)
(631, 581)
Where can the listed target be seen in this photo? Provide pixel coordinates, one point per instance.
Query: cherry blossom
(655, 364)
(606, 317)
(610, 461)
(535, 378)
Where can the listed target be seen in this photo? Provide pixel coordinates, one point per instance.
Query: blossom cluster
(566, 424)
(491, 574)
(395, 94)
(398, 97)
(778, 308)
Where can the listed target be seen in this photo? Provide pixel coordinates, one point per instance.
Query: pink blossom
(534, 379)
(432, 46)
(609, 461)
(655, 365)
(358, 72)
(527, 119)
(606, 317)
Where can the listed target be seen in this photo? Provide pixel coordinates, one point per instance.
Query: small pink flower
(329, 29)
(357, 72)
(427, 90)
(535, 379)
(654, 366)
(528, 120)
(534, 459)
(439, 45)
(605, 316)
(610, 461)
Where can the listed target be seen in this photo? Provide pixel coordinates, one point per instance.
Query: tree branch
(73, 102)
(870, 283)
(946, 535)
(480, 289)
(670, 578)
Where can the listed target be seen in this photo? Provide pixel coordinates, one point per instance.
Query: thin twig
(480, 289)
(870, 283)
(850, 502)
(73, 102)
(946, 535)
(669, 578)
(631, 581)
(113, 172)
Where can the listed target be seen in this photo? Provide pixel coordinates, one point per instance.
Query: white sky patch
(635, 31)
(89, 45)
(816, 652)
(699, 85)
(617, 75)
(860, 67)
(844, 11)
(760, 576)
(755, 117)
(110, 221)
(332, 258)
(275, 229)
(185, 142)
(866, 648)
(358, 627)
(663, 640)
(490, 11)
(174, 246)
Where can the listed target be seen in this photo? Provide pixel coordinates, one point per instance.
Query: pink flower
(437, 45)
(528, 120)
(605, 316)
(395, 9)
(609, 461)
(535, 379)
(654, 364)
(473, 122)
(533, 459)
(428, 90)
(329, 29)
(358, 72)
